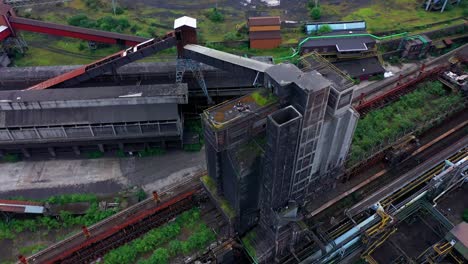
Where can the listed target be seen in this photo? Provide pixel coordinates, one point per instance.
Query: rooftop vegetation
(384, 126)
(224, 204)
(264, 97)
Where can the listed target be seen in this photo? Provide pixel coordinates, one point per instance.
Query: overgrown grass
(400, 15)
(8, 230)
(29, 250)
(163, 242)
(194, 126)
(200, 238)
(383, 125)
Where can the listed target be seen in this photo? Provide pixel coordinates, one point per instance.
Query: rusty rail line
(97, 240)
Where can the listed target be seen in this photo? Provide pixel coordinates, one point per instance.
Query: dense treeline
(385, 125)
(107, 23)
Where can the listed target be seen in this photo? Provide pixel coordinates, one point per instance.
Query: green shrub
(141, 195)
(94, 154)
(120, 153)
(316, 13)
(175, 247)
(152, 152)
(77, 19)
(11, 158)
(377, 77)
(214, 15)
(324, 29)
(119, 10)
(230, 36)
(193, 147)
(81, 46)
(465, 215)
(465, 12)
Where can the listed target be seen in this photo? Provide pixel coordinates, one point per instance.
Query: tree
(215, 16)
(316, 13)
(160, 256)
(323, 29)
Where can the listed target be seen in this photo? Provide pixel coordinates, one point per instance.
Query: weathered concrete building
(269, 152)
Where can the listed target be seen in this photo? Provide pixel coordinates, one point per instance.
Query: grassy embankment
(29, 235)
(380, 15)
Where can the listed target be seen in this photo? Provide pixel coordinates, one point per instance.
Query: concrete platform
(39, 179)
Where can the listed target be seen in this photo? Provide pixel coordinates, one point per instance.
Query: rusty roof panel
(264, 21)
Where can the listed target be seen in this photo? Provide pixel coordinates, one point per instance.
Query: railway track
(393, 94)
(123, 226)
(373, 95)
(396, 199)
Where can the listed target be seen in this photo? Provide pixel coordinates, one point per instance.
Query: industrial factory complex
(284, 180)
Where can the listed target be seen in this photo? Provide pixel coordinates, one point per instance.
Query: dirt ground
(453, 203)
(10, 248)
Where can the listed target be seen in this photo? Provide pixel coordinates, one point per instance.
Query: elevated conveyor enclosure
(13, 23)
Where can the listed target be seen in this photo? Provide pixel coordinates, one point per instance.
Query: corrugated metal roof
(21, 207)
(16, 202)
(344, 41)
(66, 94)
(343, 46)
(34, 209)
(90, 115)
(47, 72)
(264, 21)
(12, 209)
(265, 35)
(337, 26)
(230, 58)
(356, 68)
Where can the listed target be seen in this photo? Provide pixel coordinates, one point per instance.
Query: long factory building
(74, 117)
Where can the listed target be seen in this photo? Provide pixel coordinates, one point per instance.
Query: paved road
(39, 179)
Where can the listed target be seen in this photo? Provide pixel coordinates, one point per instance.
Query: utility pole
(113, 6)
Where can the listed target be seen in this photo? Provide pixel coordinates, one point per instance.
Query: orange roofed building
(264, 32)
